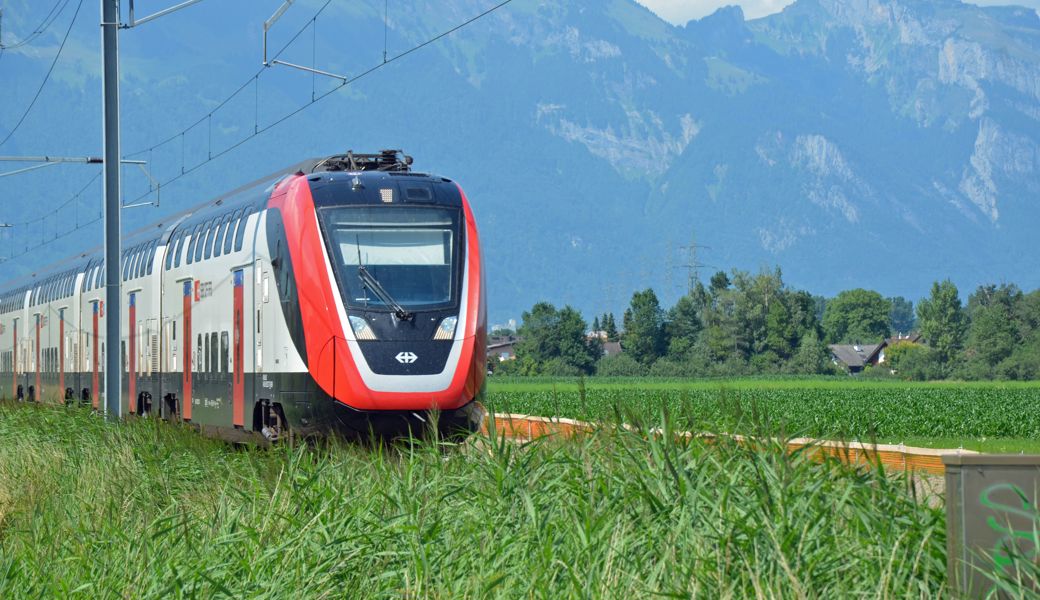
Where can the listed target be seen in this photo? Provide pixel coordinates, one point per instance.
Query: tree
(554, 340)
(901, 316)
(684, 326)
(993, 332)
(610, 328)
(780, 332)
(719, 282)
(645, 337)
(595, 325)
(856, 316)
(812, 357)
(942, 320)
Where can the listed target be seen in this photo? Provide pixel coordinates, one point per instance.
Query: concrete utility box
(991, 512)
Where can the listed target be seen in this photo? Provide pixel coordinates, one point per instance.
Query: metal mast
(113, 310)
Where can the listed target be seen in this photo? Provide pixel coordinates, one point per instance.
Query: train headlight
(361, 329)
(446, 330)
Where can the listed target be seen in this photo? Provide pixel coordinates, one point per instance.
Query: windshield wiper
(373, 284)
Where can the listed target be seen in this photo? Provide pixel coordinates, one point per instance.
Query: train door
(187, 363)
(261, 316)
(131, 334)
(61, 352)
(238, 392)
(95, 362)
(35, 389)
(14, 358)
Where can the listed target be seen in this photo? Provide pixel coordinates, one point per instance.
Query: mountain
(854, 143)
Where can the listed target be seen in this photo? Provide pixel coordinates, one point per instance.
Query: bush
(916, 362)
(619, 365)
(558, 367)
(667, 367)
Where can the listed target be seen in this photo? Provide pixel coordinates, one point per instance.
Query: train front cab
(380, 290)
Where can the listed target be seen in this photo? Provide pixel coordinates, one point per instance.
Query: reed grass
(148, 510)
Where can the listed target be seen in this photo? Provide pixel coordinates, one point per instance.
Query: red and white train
(343, 295)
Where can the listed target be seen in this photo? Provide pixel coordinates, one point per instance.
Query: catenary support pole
(113, 310)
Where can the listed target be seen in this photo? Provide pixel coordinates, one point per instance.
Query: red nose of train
(384, 270)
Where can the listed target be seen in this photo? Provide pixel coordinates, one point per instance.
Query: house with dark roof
(855, 357)
(502, 348)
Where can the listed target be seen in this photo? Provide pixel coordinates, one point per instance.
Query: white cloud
(681, 11)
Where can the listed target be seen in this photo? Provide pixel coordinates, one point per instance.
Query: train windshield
(410, 251)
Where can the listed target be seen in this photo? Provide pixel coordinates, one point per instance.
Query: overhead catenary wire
(258, 130)
(46, 77)
(60, 206)
(79, 226)
(40, 29)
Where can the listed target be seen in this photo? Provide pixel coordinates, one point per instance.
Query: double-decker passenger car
(345, 294)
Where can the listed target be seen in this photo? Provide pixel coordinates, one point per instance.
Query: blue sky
(681, 11)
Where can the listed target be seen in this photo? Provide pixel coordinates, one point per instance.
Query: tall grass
(147, 510)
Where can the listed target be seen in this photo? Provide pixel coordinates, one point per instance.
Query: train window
(194, 241)
(207, 248)
(240, 233)
(218, 244)
(229, 235)
(142, 265)
(168, 258)
(214, 367)
(203, 229)
(177, 250)
(142, 259)
(224, 352)
(205, 351)
(135, 261)
(198, 353)
(151, 257)
(218, 237)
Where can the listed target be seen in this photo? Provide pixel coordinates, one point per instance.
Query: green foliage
(942, 320)
(645, 336)
(914, 362)
(856, 316)
(553, 341)
(610, 327)
(901, 316)
(993, 332)
(841, 408)
(684, 326)
(146, 510)
(812, 357)
(620, 365)
(719, 283)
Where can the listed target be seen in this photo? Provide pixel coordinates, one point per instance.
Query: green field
(987, 416)
(148, 510)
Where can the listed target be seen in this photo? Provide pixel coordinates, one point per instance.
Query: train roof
(158, 229)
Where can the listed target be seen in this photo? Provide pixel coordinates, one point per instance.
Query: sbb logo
(406, 358)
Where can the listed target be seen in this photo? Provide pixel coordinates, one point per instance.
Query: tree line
(754, 324)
